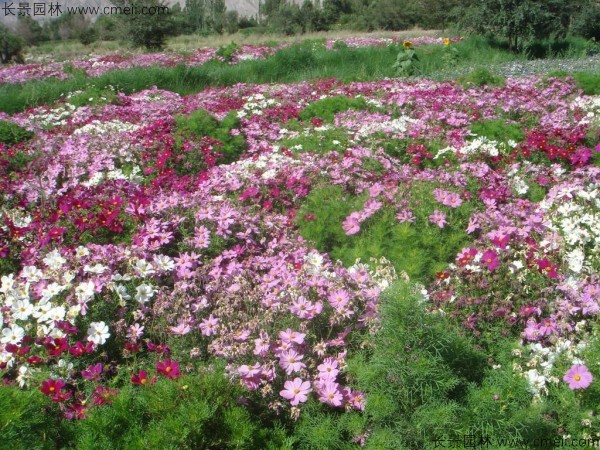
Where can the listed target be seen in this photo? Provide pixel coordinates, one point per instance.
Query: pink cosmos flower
(296, 391)
(290, 361)
(181, 329)
(208, 326)
(338, 299)
(351, 225)
(547, 327)
(261, 345)
(453, 200)
(578, 377)
(168, 368)
(490, 259)
(330, 394)
(288, 336)
(329, 369)
(439, 218)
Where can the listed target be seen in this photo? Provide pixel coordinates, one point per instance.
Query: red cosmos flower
(56, 346)
(546, 267)
(53, 388)
(466, 256)
(158, 348)
(131, 347)
(93, 372)
(168, 368)
(76, 411)
(103, 395)
(79, 349)
(490, 259)
(66, 326)
(141, 378)
(55, 233)
(34, 360)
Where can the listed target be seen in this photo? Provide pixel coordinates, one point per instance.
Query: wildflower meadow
(380, 263)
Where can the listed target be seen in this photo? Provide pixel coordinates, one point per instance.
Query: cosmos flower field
(262, 225)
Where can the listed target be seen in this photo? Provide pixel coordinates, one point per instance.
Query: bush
(149, 30)
(88, 36)
(498, 130)
(11, 133)
(201, 124)
(10, 46)
(481, 77)
(587, 23)
(327, 108)
(421, 249)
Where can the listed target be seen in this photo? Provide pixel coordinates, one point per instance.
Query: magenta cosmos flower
(578, 377)
(296, 391)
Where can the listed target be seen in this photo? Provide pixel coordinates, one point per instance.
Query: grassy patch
(309, 60)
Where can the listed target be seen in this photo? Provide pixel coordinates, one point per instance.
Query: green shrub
(498, 130)
(201, 123)
(200, 410)
(587, 22)
(588, 82)
(10, 46)
(11, 133)
(481, 77)
(28, 421)
(327, 108)
(228, 51)
(420, 249)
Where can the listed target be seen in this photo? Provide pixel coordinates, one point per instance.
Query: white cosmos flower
(143, 268)
(8, 283)
(144, 293)
(98, 333)
(52, 290)
(98, 268)
(54, 260)
(85, 290)
(22, 309)
(32, 274)
(12, 335)
(163, 262)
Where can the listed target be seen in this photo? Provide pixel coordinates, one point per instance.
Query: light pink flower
(578, 377)
(296, 391)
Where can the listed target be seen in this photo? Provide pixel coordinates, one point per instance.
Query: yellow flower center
(577, 378)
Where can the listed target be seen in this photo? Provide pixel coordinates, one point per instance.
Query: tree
(11, 46)
(151, 24)
(521, 21)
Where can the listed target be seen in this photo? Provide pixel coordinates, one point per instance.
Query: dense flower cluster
(116, 244)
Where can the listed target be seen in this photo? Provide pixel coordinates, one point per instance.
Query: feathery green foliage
(420, 249)
(11, 133)
(202, 124)
(327, 108)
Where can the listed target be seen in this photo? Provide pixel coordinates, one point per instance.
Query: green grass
(306, 61)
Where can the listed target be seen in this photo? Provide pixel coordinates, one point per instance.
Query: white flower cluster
(540, 363)
(574, 213)
(255, 104)
(54, 117)
(393, 126)
(480, 145)
(590, 106)
(111, 127)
